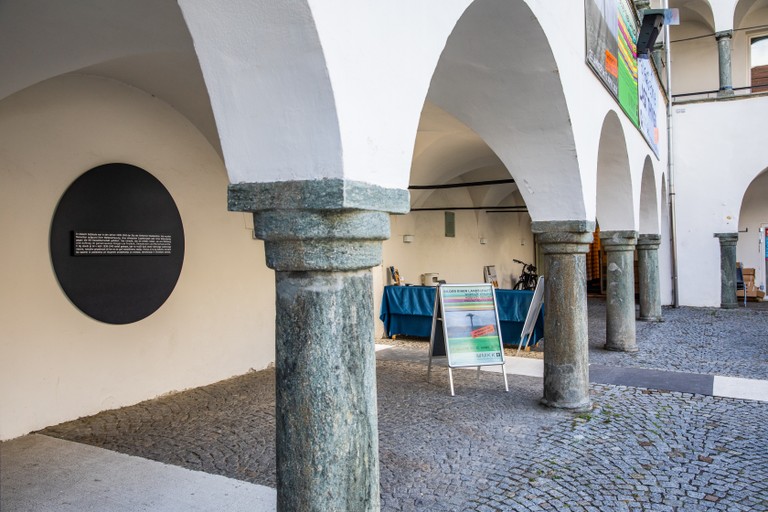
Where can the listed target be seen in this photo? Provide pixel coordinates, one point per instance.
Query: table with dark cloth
(407, 311)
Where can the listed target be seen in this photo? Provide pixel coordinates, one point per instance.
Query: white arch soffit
(449, 157)
(650, 222)
(269, 88)
(143, 43)
(694, 11)
(447, 151)
(489, 195)
(615, 200)
(722, 11)
(498, 76)
(744, 9)
(79, 34)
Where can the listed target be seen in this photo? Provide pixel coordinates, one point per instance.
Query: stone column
(728, 269)
(724, 58)
(564, 245)
(620, 290)
(648, 268)
(321, 238)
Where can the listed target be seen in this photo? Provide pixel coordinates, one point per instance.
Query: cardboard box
(748, 272)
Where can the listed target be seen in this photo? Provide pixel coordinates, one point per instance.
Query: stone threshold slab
(46, 474)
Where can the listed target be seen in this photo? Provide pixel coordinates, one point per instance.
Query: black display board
(117, 243)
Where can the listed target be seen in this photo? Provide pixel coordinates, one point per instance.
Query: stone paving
(732, 343)
(487, 450)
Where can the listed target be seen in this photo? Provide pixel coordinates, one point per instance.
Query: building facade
(288, 134)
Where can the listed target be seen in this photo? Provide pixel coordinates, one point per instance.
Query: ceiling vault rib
(460, 185)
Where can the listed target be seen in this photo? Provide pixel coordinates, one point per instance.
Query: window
(759, 63)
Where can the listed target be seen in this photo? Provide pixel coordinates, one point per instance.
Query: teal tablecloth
(407, 311)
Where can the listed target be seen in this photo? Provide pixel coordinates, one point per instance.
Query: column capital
(618, 240)
(564, 237)
(724, 34)
(648, 242)
(727, 238)
(324, 194)
(321, 225)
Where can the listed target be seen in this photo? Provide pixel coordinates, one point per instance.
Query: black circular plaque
(117, 243)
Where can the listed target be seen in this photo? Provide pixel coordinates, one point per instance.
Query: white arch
(269, 88)
(615, 200)
(498, 75)
(649, 204)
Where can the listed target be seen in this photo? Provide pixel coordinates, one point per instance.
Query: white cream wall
(719, 150)
(695, 65)
(457, 260)
(58, 364)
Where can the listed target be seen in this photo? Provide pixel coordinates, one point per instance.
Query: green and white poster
(612, 28)
(627, 36)
(471, 324)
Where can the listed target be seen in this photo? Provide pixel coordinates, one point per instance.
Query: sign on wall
(648, 93)
(117, 243)
(602, 41)
(627, 35)
(611, 32)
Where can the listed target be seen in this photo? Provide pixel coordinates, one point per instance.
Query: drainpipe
(671, 167)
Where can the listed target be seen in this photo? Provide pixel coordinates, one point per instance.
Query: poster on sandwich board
(465, 328)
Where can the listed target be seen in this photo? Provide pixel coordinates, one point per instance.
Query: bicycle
(528, 277)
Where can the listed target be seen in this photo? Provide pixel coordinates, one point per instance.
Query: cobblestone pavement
(732, 342)
(485, 449)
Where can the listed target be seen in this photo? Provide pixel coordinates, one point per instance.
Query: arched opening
(649, 204)
(753, 225)
(490, 115)
(694, 50)
(90, 83)
(615, 199)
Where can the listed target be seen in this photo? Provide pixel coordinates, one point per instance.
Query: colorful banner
(649, 93)
(471, 325)
(612, 29)
(627, 35)
(602, 41)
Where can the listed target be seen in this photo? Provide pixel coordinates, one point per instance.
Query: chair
(740, 283)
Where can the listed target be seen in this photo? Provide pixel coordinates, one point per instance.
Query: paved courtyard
(486, 450)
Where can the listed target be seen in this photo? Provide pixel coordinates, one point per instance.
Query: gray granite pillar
(620, 290)
(321, 238)
(648, 270)
(564, 245)
(728, 269)
(724, 59)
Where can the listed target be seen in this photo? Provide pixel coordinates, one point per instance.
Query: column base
(614, 348)
(730, 305)
(575, 407)
(725, 93)
(650, 319)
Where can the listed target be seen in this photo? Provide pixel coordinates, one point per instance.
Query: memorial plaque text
(121, 244)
